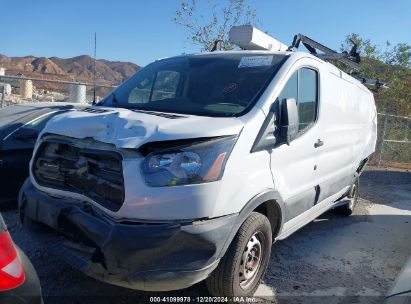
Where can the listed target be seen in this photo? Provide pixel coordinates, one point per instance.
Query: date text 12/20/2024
(202, 299)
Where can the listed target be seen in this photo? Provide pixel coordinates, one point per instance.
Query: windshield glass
(208, 85)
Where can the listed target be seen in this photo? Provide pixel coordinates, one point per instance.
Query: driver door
(294, 166)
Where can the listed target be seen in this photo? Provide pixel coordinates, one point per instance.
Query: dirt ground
(334, 259)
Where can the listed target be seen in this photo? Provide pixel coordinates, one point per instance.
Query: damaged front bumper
(143, 256)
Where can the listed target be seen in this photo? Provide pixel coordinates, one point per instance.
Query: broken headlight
(193, 163)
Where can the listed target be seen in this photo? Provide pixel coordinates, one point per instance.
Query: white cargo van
(196, 164)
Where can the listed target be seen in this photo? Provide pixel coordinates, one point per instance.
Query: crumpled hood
(130, 129)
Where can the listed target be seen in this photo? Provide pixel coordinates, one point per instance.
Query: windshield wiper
(162, 114)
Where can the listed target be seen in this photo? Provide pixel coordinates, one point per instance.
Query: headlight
(193, 163)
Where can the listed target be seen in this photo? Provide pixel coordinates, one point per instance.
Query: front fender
(272, 197)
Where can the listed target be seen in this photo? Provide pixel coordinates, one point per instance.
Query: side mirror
(26, 133)
(289, 120)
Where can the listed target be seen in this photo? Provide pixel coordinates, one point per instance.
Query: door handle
(319, 143)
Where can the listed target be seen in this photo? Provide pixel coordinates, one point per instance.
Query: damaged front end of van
(90, 199)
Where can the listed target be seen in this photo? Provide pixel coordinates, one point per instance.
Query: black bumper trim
(152, 257)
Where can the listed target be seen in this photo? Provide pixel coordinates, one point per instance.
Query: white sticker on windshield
(255, 61)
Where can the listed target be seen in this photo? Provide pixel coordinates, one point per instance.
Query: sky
(141, 31)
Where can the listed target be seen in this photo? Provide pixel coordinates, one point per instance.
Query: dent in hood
(128, 129)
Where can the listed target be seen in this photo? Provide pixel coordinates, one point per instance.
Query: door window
(291, 88)
(303, 87)
(307, 97)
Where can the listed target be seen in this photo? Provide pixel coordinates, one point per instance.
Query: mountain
(80, 68)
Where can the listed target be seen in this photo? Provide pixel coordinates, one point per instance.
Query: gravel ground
(334, 259)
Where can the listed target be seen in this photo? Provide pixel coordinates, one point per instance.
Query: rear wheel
(348, 208)
(242, 267)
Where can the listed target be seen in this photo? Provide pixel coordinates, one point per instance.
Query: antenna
(94, 68)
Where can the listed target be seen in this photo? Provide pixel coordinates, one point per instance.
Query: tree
(400, 54)
(364, 46)
(391, 64)
(203, 31)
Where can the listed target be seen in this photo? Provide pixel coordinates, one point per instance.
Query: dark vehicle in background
(19, 127)
(19, 283)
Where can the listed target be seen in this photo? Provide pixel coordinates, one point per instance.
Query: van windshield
(208, 85)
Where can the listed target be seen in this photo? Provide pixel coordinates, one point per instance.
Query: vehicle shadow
(390, 188)
(340, 256)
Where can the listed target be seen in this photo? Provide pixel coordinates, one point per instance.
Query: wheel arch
(268, 203)
(273, 212)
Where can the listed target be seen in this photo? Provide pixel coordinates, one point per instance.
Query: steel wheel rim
(251, 260)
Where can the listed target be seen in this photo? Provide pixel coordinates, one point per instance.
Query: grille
(96, 174)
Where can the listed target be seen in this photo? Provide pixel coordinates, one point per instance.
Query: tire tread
(220, 282)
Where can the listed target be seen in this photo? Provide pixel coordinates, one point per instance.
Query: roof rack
(351, 59)
(248, 37)
(373, 82)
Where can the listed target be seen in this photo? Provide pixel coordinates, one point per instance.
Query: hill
(78, 68)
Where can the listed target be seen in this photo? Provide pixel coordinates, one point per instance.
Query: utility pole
(384, 129)
(2, 97)
(94, 68)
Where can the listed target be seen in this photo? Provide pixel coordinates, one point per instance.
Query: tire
(253, 242)
(348, 208)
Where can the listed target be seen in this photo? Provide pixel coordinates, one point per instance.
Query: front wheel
(242, 267)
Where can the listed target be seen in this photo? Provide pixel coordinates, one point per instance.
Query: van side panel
(362, 115)
(347, 118)
(365, 144)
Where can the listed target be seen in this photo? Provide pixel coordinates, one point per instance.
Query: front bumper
(144, 256)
